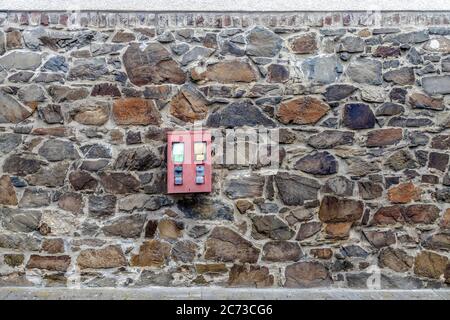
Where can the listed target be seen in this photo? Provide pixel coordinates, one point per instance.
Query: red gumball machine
(189, 167)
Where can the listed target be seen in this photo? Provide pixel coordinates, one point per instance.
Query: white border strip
(214, 293)
(225, 5)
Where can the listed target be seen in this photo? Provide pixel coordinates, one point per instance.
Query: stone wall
(362, 104)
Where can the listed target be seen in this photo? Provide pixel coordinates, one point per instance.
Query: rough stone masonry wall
(362, 101)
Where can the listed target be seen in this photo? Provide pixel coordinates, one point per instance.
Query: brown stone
(322, 253)
(395, 259)
(136, 111)
(52, 263)
(303, 110)
(202, 268)
(104, 258)
(305, 43)
(333, 209)
(250, 276)
(7, 193)
(277, 73)
(441, 141)
(438, 241)
(338, 231)
(152, 65)
(445, 221)
(72, 202)
(307, 275)
(280, 251)
(429, 264)
(14, 40)
(402, 76)
(404, 193)
(170, 229)
(386, 51)
(308, 229)
(91, 115)
(384, 137)
(228, 246)
(13, 260)
(423, 101)
(244, 205)
(122, 36)
(380, 239)
(189, 105)
(421, 213)
(152, 253)
(53, 246)
(105, 89)
(225, 72)
(119, 182)
(82, 180)
(389, 215)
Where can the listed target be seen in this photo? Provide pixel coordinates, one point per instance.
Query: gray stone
(142, 202)
(239, 114)
(31, 94)
(35, 198)
(140, 159)
(364, 70)
(17, 241)
(351, 44)
(337, 92)
(205, 208)
(318, 163)
(20, 60)
(51, 113)
(21, 76)
(102, 205)
(262, 42)
(339, 186)
(294, 189)
(408, 38)
(56, 64)
(57, 150)
(358, 116)
(18, 220)
(244, 187)
(323, 69)
(9, 142)
(11, 111)
(436, 85)
(88, 69)
(96, 151)
(22, 164)
(196, 54)
(52, 175)
(269, 226)
(126, 227)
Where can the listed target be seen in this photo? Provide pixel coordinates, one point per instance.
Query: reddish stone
(423, 101)
(53, 246)
(333, 209)
(305, 43)
(104, 258)
(302, 110)
(189, 105)
(136, 111)
(225, 72)
(389, 215)
(105, 89)
(152, 253)
(384, 137)
(52, 263)
(421, 213)
(404, 193)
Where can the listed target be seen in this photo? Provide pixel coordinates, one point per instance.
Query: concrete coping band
(225, 5)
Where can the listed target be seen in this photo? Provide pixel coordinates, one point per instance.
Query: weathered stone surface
(119, 182)
(82, 180)
(322, 69)
(17, 241)
(139, 159)
(19, 220)
(136, 111)
(429, 264)
(102, 205)
(195, 54)
(20, 60)
(294, 189)
(250, 276)
(262, 42)
(304, 110)
(358, 116)
(441, 142)
(228, 71)
(228, 246)
(403, 76)
(170, 229)
(9, 142)
(65, 93)
(386, 51)
(277, 73)
(336, 92)
(91, 115)
(322, 253)
(7, 193)
(151, 65)
(438, 241)
(338, 231)
(244, 187)
(52, 263)
(11, 111)
(72, 202)
(421, 213)
(308, 229)
(440, 44)
(404, 193)
(53, 175)
(281, 251)
(364, 70)
(380, 239)
(438, 161)
(184, 251)
(351, 44)
(125, 227)
(153, 253)
(35, 198)
(105, 89)
(333, 209)
(189, 104)
(329, 139)
(401, 160)
(389, 215)
(383, 137)
(205, 208)
(88, 69)
(239, 114)
(339, 186)
(422, 101)
(307, 275)
(58, 150)
(436, 85)
(389, 109)
(319, 163)
(304, 43)
(270, 226)
(369, 190)
(104, 258)
(395, 259)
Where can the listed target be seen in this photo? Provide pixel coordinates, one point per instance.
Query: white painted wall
(226, 5)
